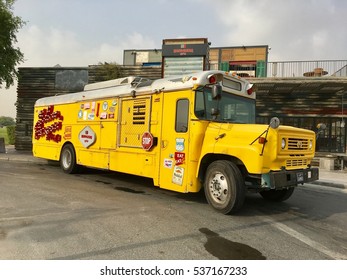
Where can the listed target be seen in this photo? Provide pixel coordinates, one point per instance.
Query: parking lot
(46, 214)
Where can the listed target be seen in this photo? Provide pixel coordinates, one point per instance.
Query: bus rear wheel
(224, 186)
(68, 159)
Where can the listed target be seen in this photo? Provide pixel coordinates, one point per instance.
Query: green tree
(6, 121)
(107, 71)
(10, 56)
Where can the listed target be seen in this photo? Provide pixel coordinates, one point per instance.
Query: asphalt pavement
(332, 178)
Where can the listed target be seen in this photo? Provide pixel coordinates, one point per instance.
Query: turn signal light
(250, 89)
(212, 79)
(262, 140)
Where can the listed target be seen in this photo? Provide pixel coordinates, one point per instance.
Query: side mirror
(274, 123)
(216, 92)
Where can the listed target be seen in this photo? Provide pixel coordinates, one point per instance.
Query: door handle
(164, 143)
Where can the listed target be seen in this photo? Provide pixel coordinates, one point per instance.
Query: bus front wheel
(224, 186)
(68, 159)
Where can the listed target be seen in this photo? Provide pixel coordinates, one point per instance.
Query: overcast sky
(84, 32)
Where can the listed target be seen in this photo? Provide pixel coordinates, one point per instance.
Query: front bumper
(289, 178)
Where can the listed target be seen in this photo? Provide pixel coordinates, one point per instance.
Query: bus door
(174, 142)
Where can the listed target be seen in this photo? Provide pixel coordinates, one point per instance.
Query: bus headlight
(283, 143)
(310, 145)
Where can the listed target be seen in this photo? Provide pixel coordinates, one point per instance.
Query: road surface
(46, 214)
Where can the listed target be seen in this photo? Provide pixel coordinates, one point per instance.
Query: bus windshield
(228, 108)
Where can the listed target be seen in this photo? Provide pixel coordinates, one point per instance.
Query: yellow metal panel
(134, 121)
(93, 158)
(51, 152)
(134, 161)
(108, 135)
(175, 172)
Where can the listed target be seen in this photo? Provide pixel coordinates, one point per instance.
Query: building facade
(184, 55)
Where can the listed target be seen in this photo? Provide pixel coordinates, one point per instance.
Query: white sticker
(87, 137)
(180, 144)
(105, 106)
(168, 163)
(91, 116)
(103, 115)
(177, 177)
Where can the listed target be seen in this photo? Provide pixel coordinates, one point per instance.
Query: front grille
(296, 160)
(298, 144)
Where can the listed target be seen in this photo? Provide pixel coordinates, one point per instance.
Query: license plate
(299, 177)
(309, 175)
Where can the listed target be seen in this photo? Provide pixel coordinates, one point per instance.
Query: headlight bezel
(310, 144)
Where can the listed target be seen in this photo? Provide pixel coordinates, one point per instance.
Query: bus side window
(199, 109)
(182, 110)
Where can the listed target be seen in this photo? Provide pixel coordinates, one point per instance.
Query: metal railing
(282, 69)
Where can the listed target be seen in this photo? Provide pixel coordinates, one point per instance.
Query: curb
(330, 184)
(20, 156)
(22, 159)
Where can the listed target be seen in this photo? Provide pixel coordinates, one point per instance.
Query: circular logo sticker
(105, 106)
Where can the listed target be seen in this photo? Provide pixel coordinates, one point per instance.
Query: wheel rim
(67, 159)
(219, 188)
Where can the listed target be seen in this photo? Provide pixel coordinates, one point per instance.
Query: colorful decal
(114, 102)
(87, 106)
(49, 122)
(93, 106)
(180, 144)
(68, 132)
(112, 109)
(147, 141)
(91, 116)
(80, 114)
(85, 115)
(87, 137)
(168, 163)
(97, 110)
(103, 115)
(179, 158)
(105, 106)
(177, 177)
(111, 116)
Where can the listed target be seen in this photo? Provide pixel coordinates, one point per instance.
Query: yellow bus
(187, 133)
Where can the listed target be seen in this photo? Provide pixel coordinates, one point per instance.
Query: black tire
(224, 187)
(277, 195)
(68, 159)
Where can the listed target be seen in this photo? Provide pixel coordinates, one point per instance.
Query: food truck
(188, 133)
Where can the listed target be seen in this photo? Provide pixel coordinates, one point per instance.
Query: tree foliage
(10, 56)
(6, 121)
(107, 71)
(11, 133)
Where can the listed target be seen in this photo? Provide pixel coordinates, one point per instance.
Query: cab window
(182, 111)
